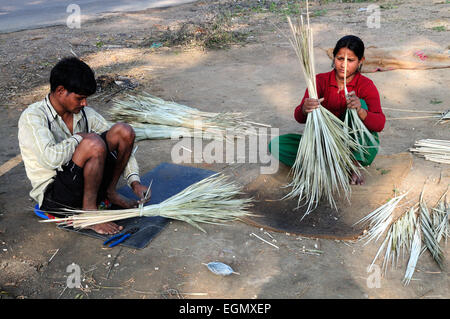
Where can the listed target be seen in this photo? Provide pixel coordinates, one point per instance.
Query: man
(72, 157)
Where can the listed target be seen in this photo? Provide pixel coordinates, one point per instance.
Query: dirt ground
(218, 56)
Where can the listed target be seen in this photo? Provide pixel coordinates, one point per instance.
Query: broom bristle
(211, 200)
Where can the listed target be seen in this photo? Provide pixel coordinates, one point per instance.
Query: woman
(363, 96)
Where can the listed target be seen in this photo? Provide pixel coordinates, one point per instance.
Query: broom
(211, 200)
(145, 109)
(159, 132)
(324, 159)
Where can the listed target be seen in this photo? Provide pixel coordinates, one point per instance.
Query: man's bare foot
(109, 228)
(357, 180)
(121, 201)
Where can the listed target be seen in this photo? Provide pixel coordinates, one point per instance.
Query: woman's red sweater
(335, 101)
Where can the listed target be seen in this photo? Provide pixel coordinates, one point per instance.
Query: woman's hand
(310, 104)
(353, 101)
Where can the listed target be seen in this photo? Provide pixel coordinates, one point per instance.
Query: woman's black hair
(74, 75)
(351, 42)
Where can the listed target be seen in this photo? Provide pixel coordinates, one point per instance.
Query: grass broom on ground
(147, 109)
(212, 200)
(159, 132)
(324, 161)
(146, 131)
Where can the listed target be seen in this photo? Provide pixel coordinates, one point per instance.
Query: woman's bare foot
(357, 180)
(121, 201)
(109, 228)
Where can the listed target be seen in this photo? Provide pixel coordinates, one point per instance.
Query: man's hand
(140, 191)
(310, 104)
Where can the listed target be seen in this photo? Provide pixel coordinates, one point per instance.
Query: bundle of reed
(148, 109)
(212, 200)
(324, 161)
(359, 132)
(433, 150)
(160, 132)
(145, 131)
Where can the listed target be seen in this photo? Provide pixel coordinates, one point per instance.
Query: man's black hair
(74, 75)
(351, 42)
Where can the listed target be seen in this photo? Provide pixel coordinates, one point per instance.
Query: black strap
(85, 118)
(48, 120)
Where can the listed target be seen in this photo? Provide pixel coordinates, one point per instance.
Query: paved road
(18, 15)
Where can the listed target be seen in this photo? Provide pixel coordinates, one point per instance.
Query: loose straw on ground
(267, 242)
(443, 117)
(324, 161)
(406, 234)
(212, 200)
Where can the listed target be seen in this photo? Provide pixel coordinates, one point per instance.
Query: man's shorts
(66, 190)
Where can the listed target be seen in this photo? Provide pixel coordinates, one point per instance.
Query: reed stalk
(359, 132)
(433, 150)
